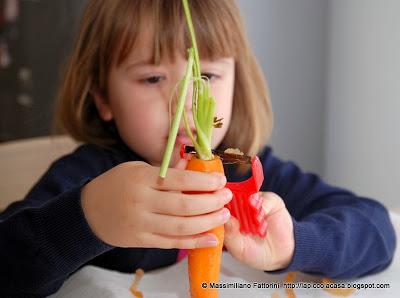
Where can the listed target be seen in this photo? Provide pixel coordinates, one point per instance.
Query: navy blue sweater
(45, 237)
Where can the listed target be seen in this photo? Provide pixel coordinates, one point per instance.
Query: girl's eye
(153, 79)
(210, 76)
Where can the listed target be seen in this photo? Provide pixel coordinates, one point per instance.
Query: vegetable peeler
(245, 205)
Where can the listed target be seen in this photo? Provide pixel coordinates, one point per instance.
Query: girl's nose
(188, 102)
(187, 107)
(175, 98)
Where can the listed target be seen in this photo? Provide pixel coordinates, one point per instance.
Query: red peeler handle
(245, 205)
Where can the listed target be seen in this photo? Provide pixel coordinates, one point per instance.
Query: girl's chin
(175, 157)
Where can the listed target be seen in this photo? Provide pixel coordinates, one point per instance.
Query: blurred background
(333, 69)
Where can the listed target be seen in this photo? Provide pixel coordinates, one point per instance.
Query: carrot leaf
(203, 105)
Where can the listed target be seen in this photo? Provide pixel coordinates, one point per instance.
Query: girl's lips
(184, 139)
(182, 131)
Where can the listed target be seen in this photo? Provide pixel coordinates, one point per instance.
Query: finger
(233, 239)
(232, 228)
(183, 242)
(182, 162)
(185, 226)
(271, 202)
(184, 180)
(179, 204)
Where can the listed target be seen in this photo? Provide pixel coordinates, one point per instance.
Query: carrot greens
(203, 105)
(178, 114)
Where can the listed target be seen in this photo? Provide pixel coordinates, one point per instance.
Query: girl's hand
(273, 252)
(131, 206)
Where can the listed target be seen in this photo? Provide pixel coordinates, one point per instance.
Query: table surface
(172, 281)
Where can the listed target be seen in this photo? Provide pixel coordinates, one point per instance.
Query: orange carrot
(290, 279)
(336, 292)
(204, 263)
(138, 276)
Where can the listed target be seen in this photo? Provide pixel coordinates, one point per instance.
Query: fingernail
(255, 200)
(225, 215)
(228, 226)
(261, 215)
(228, 194)
(222, 179)
(209, 241)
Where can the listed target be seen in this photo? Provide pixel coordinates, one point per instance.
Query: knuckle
(121, 170)
(140, 224)
(277, 198)
(225, 193)
(217, 202)
(177, 243)
(180, 178)
(216, 220)
(130, 166)
(181, 228)
(219, 198)
(186, 206)
(140, 240)
(272, 200)
(167, 244)
(142, 172)
(139, 164)
(215, 183)
(221, 202)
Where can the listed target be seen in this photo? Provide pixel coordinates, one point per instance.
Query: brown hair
(110, 29)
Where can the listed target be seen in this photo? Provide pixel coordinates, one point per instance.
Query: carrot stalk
(193, 39)
(200, 97)
(210, 117)
(178, 114)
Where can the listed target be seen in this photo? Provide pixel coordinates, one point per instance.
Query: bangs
(217, 32)
(111, 30)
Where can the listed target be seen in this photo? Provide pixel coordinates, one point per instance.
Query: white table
(171, 282)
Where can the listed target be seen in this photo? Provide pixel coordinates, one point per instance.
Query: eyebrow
(221, 60)
(139, 63)
(224, 60)
(146, 62)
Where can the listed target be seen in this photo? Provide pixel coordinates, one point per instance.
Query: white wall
(363, 98)
(289, 39)
(333, 68)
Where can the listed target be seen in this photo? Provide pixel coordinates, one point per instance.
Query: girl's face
(138, 101)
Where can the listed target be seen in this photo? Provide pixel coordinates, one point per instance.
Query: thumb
(182, 162)
(233, 239)
(231, 228)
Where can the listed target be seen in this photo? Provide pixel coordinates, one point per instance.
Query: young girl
(104, 204)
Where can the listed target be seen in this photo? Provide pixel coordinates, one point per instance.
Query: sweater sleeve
(337, 233)
(45, 237)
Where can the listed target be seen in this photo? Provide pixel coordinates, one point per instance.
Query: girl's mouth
(184, 139)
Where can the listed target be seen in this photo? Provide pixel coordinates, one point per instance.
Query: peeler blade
(227, 158)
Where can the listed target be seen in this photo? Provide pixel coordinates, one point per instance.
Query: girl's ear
(102, 105)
